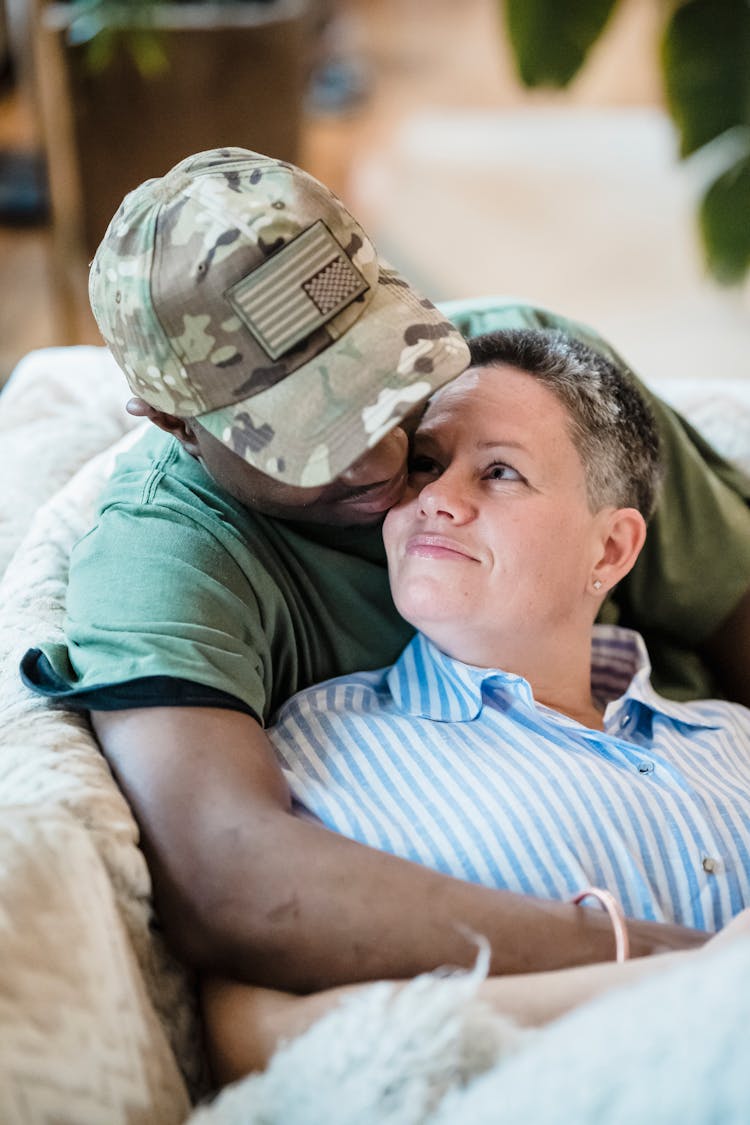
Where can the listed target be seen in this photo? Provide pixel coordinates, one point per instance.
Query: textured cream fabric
(60, 408)
(80, 1040)
(49, 756)
(81, 970)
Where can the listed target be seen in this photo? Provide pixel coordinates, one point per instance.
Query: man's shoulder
(474, 316)
(155, 471)
(164, 524)
(159, 495)
(157, 478)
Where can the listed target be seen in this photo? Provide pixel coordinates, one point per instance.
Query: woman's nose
(447, 496)
(382, 463)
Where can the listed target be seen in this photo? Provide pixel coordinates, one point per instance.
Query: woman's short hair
(611, 424)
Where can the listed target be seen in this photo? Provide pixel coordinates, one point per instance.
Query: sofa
(98, 1022)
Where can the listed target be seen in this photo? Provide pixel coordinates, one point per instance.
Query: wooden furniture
(235, 75)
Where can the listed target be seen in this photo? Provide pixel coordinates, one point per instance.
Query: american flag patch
(298, 290)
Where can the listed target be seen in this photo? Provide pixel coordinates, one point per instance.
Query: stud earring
(597, 584)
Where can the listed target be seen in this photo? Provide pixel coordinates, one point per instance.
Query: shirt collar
(426, 683)
(619, 662)
(621, 671)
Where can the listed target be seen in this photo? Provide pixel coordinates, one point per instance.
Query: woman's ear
(179, 428)
(623, 536)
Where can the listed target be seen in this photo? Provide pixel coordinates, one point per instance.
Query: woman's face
(494, 542)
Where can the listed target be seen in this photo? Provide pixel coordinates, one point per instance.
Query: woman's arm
(244, 1024)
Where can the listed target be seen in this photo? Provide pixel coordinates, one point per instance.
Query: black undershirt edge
(146, 691)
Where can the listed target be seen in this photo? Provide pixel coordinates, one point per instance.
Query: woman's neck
(589, 715)
(558, 671)
(564, 684)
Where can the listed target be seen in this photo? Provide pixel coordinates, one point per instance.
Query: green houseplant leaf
(551, 38)
(109, 27)
(725, 220)
(705, 55)
(706, 63)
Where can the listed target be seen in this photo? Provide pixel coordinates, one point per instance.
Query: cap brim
(310, 427)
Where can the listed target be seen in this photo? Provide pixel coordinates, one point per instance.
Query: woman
(515, 743)
(504, 746)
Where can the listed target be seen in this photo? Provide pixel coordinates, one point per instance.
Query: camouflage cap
(239, 291)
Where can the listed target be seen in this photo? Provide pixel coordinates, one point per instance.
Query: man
(194, 610)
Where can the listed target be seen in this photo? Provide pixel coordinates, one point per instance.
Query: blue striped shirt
(459, 769)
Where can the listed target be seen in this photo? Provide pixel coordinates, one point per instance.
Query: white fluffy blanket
(412, 1060)
(671, 1051)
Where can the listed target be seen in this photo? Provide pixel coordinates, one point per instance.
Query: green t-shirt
(180, 595)
(177, 579)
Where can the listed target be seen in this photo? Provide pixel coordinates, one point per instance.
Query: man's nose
(383, 462)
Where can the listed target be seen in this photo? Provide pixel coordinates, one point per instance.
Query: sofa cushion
(49, 756)
(81, 1041)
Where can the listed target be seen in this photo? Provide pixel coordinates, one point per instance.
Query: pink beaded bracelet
(616, 917)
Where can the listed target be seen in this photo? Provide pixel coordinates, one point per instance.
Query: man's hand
(246, 889)
(647, 938)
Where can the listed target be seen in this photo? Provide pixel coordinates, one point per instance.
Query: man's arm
(247, 889)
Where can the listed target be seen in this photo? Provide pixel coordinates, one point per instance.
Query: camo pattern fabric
(239, 290)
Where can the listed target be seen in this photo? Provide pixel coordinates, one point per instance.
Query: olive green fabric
(179, 581)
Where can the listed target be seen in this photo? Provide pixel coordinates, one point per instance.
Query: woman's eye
(500, 471)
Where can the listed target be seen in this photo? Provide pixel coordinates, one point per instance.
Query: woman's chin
(427, 608)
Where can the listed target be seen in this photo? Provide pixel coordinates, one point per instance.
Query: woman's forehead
(482, 396)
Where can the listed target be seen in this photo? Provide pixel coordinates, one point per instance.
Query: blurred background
(413, 112)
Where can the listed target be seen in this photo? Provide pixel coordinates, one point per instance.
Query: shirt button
(646, 767)
(710, 865)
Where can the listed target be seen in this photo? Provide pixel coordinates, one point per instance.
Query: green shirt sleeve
(180, 608)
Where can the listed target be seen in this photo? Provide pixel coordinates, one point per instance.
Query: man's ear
(179, 428)
(623, 536)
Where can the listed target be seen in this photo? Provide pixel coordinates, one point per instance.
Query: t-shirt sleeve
(150, 691)
(154, 595)
(695, 566)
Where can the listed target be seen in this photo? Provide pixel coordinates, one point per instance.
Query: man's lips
(427, 546)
